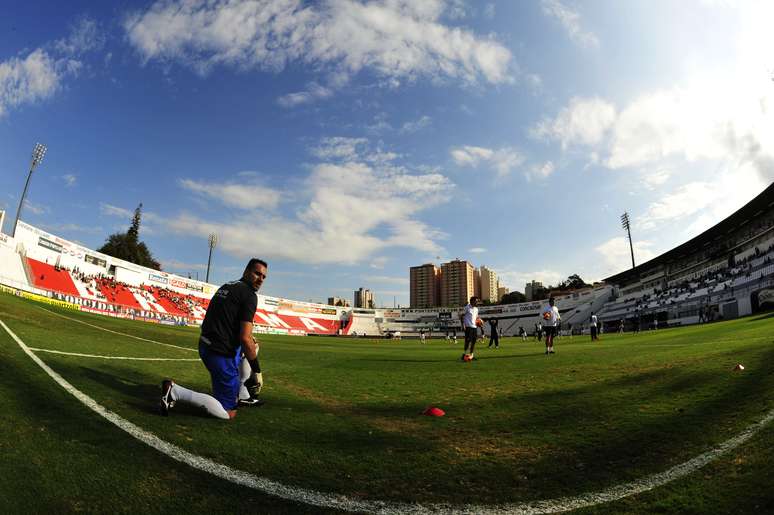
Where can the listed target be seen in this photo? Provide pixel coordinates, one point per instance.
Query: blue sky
(345, 141)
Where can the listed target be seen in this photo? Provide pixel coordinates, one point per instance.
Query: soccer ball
(547, 315)
(467, 357)
(479, 322)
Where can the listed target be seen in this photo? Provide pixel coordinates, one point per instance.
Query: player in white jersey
(550, 316)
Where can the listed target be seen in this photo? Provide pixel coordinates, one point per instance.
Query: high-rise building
(532, 290)
(425, 286)
(488, 284)
(457, 283)
(338, 301)
(364, 298)
(502, 291)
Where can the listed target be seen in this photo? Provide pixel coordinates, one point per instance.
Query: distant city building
(457, 283)
(502, 291)
(425, 286)
(534, 290)
(338, 301)
(364, 298)
(488, 284)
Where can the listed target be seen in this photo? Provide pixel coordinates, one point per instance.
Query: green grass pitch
(343, 416)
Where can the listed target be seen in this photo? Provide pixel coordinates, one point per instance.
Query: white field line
(342, 502)
(110, 357)
(116, 332)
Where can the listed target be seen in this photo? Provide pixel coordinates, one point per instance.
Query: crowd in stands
(712, 281)
(107, 289)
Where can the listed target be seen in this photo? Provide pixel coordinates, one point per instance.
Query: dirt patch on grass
(462, 444)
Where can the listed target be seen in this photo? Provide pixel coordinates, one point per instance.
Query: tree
(127, 245)
(574, 282)
(513, 297)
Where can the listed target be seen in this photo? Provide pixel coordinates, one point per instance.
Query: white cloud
(314, 92)
(653, 179)
(173, 264)
(489, 11)
(111, 210)
(503, 160)
(338, 148)
(69, 180)
(541, 171)
(616, 255)
(39, 75)
(570, 20)
(583, 120)
(357, 206)
(416, 125)
(378, 262)
(28, 80)
(384, 279)
(517, 279)
(85, 36)
(477, 250)
(396, 39)
(241, 195)
(37, 209)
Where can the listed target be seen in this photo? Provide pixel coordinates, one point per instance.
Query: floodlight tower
(212, 240)
(37, 156)
(626, 225)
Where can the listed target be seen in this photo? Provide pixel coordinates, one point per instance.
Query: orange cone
(432, 411)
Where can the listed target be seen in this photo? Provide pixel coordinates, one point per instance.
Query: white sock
(199, 400)
(244, 373)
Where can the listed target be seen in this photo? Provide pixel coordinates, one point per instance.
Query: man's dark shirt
(232, 304)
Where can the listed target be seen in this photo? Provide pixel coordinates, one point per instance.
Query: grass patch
(343, 416)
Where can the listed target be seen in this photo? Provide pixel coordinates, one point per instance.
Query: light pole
(37, 156)
(626, 225)
(212, 240)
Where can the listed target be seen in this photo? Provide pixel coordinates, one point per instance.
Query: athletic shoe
(463, 357)
(251, 402)
(552, 352)
(166, 403)
(546, 353)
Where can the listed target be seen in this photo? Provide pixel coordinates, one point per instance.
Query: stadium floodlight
(37, 157)
(212, 240)
(626, 225)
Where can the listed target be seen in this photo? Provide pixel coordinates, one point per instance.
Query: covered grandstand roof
(763, 203)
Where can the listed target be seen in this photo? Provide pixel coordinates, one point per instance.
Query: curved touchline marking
(116, 332)
(342, 502)
(110, 357)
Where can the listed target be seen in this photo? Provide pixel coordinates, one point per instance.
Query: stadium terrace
(726, 272)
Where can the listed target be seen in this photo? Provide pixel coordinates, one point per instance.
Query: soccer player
(468, 319)
(228, 350)
(523, 334)
(494, 337)
(551, 320)
(593, 325)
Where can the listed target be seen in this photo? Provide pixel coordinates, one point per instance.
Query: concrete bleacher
(49, 277)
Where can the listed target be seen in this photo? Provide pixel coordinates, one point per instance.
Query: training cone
(739, 366)
(432, 411)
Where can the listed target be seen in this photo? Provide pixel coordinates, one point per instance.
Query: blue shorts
(224, 372)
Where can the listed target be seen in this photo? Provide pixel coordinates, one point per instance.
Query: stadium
(311, 149)
(102, 328)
